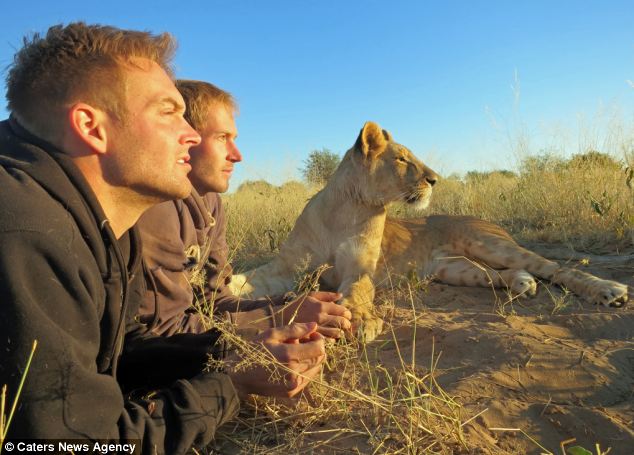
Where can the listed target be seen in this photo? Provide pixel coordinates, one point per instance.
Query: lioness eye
(400, 159)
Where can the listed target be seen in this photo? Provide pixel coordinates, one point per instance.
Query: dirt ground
(527, 375)
(552, 366)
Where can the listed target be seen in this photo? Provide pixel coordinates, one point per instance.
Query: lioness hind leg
(504, 253)
(465, 272)
(595, 290)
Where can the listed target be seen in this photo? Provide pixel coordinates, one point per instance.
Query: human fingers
(295, 383)
(336, 310)
(326, 296)
(310, 348)
(330, 333)
(334, 321)
(315, 336)
(302, 365)
(295, 330)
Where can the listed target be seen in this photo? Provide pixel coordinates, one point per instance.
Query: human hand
(293, 357)
(319, 307)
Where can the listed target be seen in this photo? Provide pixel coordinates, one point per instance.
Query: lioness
(345, 225)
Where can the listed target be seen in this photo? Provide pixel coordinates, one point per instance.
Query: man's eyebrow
(231, 134)
(177, 105)
(227, 132)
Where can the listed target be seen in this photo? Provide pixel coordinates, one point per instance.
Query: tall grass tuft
(260, 216)
(587, 205)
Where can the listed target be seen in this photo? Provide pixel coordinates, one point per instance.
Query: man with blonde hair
(185, 247)
(96, 137)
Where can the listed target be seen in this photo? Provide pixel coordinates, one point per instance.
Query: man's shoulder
(213, 204)
(25, 205)
(161, 212)
(212, 199)
(161, 219)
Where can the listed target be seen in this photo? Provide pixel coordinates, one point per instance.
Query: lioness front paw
(366, 326)
(609, 293)
(367, 329)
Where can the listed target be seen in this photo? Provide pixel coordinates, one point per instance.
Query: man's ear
(372, 140)
(87, 126)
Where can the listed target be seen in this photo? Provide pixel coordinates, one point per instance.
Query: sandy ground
(553, 366)
(527, 374)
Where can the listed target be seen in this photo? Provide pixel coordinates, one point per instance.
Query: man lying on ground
(185, 247)
(96, 137)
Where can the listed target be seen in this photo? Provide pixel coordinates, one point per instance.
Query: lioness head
(383, 171)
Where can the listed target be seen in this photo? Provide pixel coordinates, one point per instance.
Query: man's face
(148, 150)
(213, 159)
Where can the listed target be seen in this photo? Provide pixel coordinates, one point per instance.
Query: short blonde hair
(77, 62)
(199, 97)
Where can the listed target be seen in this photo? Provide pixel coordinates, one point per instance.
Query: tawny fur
(467, 251)
(345, 226)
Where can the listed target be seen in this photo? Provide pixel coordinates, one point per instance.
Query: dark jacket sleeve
(175, 302)
(167, 303)
(260, 313)
(151, 361)
(50, 292)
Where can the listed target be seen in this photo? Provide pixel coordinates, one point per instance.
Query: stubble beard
(144, 186)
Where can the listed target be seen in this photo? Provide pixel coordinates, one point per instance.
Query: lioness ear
(372, 140)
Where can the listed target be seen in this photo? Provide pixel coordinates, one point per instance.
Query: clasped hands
(293, 354)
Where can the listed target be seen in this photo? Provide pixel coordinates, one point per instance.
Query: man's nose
(234, 153)
(190, 136)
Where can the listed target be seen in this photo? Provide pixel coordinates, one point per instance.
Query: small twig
(563, 444)
(550, 399)
(474, 417)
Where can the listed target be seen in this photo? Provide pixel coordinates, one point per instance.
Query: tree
(319, 166)
(592, 160)
(544, 162)
(258, 186)
(478, 176)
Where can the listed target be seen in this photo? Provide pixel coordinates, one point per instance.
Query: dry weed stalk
(5, 421)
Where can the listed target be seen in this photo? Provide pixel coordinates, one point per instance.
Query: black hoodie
(66, 281)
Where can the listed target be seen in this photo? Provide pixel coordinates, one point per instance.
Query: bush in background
(319, 166)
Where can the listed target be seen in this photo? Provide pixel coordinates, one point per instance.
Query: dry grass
(260, 217)
(588, 208)
(358, 405)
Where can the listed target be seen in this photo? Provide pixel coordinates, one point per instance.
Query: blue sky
(461, 83)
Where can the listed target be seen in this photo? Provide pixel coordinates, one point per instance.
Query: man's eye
(222, 138)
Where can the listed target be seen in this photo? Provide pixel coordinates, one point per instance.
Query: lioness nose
(431, 180)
